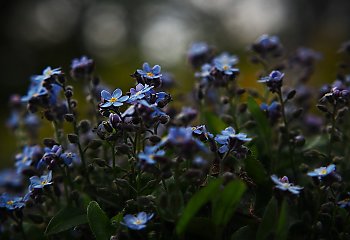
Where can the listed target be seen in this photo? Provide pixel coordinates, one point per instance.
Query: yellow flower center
(138, 222)
(44, 182)
(226, 67)
(323, 171)
(24, 159)
(113, 99)
(286, 185)
(48, 73)
(10, 202)
(149, 74)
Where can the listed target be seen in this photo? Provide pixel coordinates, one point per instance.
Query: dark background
(121, 35)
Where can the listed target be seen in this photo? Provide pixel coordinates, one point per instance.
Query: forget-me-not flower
(116, 99)
(284, 184)
(148, 72)
(40, 182)
(322, 171)
(136, 222)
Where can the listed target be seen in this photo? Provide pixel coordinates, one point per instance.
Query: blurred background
(121, 35)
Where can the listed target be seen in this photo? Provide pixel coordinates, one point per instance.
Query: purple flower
(68, 158)
(116, 99)
(136, 222)
(148, 72)
(322, 171)
(284, 185)
(81, 67)
(40, 182)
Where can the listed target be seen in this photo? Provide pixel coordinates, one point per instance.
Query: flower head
(81, 67)
(225, 62)
(40, 182)
(116, 99)
(68, 158)
(139, 92)
(230, 140)
(322, 171)
(25, 159)
(284, 184)
(273, 81)
(11, 202)
(148, 72)
(150, 155)
(137, 222)
(48, 73)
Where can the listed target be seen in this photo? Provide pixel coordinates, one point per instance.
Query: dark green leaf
(282, 224)
(243, 233)
(261, 121)
(255, 170)
(65, 219)
(214, 124)
(195, 203)
(99, 222)
(268, 223)
(226, 202)
(115, 221)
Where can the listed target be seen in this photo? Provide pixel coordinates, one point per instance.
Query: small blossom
(139, 92)
(322, 171)
(205, 71)
(273, 81)
(199, 53)
(284, 184)
(273, 111)
(148, 72)
(81, 67)
(68, 158)
(150, 155)
(345, 203)
(10, 177)
(202, 132)
(48, 73)
(137, 222)
(267, 44)
(11, 202)
(40, 182)
(230, 140)
(25, 159)
(116, 99)
(225, 62)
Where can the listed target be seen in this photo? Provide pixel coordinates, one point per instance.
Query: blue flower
(266, 42)
(83, 62)
(345, 203)
(50, 154)
(150, 154)
(202, 132)
(40, 182)
(139, 92)
(198, 49)
(273, 81)
(284, 185)
(227, 139)
(137, 222)
(68, 158)
(11, 202)
(225, 62)
(10, 177)
(205, 71)
(48, 73)
(25, 159)
(115, 99)
(273, 110)
(148, 72)
(322, 171)
(36, 89)
(179, 135)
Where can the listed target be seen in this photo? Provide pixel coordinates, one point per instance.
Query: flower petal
(117, 93)
(106, 95)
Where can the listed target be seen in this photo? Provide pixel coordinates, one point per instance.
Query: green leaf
(282, 223)
(99, 222)
(268, 223)
(261, 121)
(255, 170)
(65, 219)
(115, 221)
(225, 204)
(196, 202)
(243, 233)
(214, 124)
